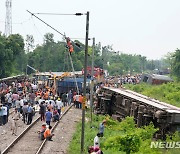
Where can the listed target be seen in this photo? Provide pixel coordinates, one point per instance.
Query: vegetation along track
(28, 142)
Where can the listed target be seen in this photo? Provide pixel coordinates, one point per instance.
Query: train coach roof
(173, 111)
(142, 98)
(12, 77)
(58, 73)
(161, 77)
(158, 77)
(77, 79)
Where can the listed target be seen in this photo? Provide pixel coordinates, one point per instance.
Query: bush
(146, 132)
(119, 137)
(127, 143)
(127, 125)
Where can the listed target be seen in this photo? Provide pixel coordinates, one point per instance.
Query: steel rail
(55, 125)
(20, 136)
(5, 151)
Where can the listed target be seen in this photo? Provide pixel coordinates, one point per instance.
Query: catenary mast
(8, 20)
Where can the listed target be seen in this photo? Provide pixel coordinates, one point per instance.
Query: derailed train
(120, 103)
(11, 79)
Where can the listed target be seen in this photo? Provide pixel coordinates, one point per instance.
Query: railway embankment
(121, 137)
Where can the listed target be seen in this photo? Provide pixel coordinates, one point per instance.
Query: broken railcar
(120, 103)
(11, 79)
(155, 79)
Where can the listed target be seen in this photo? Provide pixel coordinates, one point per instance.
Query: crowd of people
(118, 81)
(26, 98)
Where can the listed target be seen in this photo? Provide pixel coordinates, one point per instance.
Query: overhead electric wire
(17, 23)
(33, 14)
(37, 30)
(80, 38)
(77, 14)
(45, 23)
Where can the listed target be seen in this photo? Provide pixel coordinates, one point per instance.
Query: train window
(145, 79)
(178, 128)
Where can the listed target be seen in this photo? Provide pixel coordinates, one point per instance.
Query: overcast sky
(147, 27)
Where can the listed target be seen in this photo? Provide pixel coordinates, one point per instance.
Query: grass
(90, 133)
(114, 130)
(169, 93)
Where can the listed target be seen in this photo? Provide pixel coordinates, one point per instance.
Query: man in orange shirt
(80, 101)
(47, 133)
(46, 95)
(41, 132)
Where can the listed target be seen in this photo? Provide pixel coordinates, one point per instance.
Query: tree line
(16, 53)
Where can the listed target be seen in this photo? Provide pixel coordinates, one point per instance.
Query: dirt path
(63, 133)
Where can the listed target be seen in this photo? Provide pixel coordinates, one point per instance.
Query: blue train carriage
(120, 103)
(69, 83)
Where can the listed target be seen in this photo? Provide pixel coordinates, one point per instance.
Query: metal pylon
(8, 20)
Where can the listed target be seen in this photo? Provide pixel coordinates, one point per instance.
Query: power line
(17, 23)
(36, 29)
(77, 14)
(45, 23)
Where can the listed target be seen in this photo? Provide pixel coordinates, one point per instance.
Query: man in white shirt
(34, 87)
(5, 112)
(40, 100)
(21, 102)
(9, 98)
(59, 105)
(15, 118)
(97, 141)
(18, 104)
(77, 101)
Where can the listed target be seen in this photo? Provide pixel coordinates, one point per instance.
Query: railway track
(63, 133)
(28, 142)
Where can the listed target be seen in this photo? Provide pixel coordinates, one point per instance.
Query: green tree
(11, 50)
(176, 64)
(15, 42)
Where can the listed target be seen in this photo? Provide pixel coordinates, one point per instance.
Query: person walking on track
(30, 114)
(15, 118)
(48, 117)
(59, 105)
(25, 112)
(42, 110)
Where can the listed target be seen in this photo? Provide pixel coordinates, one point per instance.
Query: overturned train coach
(120, 103)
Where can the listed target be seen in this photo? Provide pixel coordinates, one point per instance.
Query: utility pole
(8, 20)
(92, 79)
(103, 56)
(85, 76)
